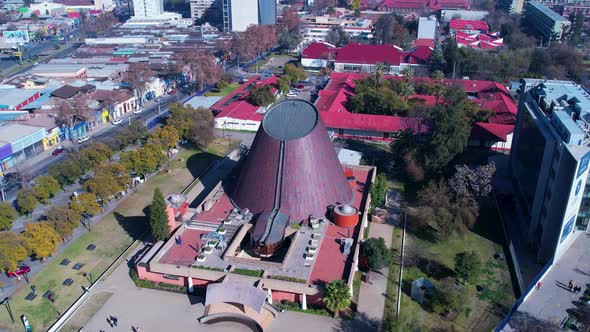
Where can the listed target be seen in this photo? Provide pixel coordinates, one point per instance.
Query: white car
(116, 121)
(82, 139)
(291, 95)
(137, 111)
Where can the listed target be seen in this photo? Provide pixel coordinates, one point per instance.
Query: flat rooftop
(330, 262)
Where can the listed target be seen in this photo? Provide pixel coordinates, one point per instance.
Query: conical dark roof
(292, 165)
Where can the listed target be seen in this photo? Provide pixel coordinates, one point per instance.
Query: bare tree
(202, 68)
(71, 113)
(23, 175)
(139, 75)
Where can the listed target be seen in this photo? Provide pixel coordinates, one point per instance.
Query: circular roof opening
(290, 119)
(347, 209)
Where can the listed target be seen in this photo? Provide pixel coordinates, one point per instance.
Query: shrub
(247, 272)
(292, 306)
(377, 253)
(285, 278)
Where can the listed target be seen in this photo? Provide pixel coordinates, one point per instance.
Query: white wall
(243, 14)
(236, 124)
(314, 63)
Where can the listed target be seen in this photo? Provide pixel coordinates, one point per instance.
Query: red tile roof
(491, 131)
(236, 104)
(333, 102)
(418, 55)
(468, 25)
(423, 42)
(404, 4)
(318, 51)
(485, 41)
(370, 54)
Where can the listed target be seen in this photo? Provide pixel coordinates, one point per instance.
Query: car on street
(291, 94)
(58, 151)
(137, 111)
(116, 121)
(300, 87)
(82, 139)
(19, 271)
(172, 92)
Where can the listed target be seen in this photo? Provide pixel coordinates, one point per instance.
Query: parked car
(116, 121)
(137, 111)
(300, 87)
(83, 139)
(291, 95)
(58, 151)
(172, 92)
(19, 271)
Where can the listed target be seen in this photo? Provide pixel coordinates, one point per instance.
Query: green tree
(130, 134)
(45, 188)
(356, 6)
(449, 136)
(66, 172)
(26, 201)
(337, 296)
(337, 37)
(64, 220)
(12, 250)
(377, 254)
(85, 203)
(167, 137)
(108, 180)
(7, 215)
(446, 298)
(378, 191)
(261, 96)
(467, 266)
(181, 117)
(143, 160)
(284, 84)
(158, 217)
(41, 239)
(294, 73)
(95, 154)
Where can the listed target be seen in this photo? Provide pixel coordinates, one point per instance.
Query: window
(557, 154)
(170, 277)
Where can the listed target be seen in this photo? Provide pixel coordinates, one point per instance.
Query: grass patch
(292, 306)
(487, 309)
(111, 236)
(207, 268)
(86, 312)
(292, 279)
(393, 278)
(247, 272)
(223, 92)
(356, 286)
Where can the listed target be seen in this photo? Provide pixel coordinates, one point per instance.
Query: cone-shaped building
(292, 165)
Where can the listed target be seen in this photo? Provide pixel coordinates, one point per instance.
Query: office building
(513, 6)
(549, 165)
(199, 7)
(267, 12)
(239, 14)
(547, 23)
(148, 8)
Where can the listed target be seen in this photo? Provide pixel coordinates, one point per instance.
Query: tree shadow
(197, 163)
(522, 321)
(421, 231)
(488, 223)
(134, 226)
(434, 269)
(360, 323)
(209, 183)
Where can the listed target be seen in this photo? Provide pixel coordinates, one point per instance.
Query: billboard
(16, 37)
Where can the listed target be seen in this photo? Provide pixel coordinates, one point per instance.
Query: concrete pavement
(372, 294)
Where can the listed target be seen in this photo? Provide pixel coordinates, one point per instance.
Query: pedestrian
(573, 285)
(539, 284)
(577, 290)
(570, 285)
(115, 319)
(109, 321)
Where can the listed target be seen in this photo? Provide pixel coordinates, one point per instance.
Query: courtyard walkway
(551, 302)
(372, 294)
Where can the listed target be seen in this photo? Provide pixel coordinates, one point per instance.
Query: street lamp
(6, 302)
(88, 276)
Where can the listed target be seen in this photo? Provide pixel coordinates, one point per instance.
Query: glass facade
(530, 152)
(584, 212)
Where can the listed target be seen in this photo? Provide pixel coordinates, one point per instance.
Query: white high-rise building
(148, 8)
(239, 14)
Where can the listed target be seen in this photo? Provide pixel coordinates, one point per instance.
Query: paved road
(38, 48)
(130, 304)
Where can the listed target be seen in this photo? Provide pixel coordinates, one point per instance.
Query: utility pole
(2, 194)
(6, 302)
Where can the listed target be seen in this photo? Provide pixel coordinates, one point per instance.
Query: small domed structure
(345, 215)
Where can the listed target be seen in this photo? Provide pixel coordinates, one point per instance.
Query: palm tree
(337, 296)
(408, 73)
(380, 69)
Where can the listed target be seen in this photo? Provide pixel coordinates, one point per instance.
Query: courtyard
(110, 237)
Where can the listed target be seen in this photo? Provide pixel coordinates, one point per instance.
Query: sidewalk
(371, 302)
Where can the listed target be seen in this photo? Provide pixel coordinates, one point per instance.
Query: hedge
(247, 272)
(292, 306)
(284, 278)
(207, 268)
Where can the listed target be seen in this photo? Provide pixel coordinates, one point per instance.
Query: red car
(300, 87)
(21, 270)
(58, 151)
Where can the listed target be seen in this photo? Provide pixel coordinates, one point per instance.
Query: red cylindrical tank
(345, 215)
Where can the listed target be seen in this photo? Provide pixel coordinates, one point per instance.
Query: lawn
(482, 311)
(111, 236)
(224, 92)
(86, 312)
